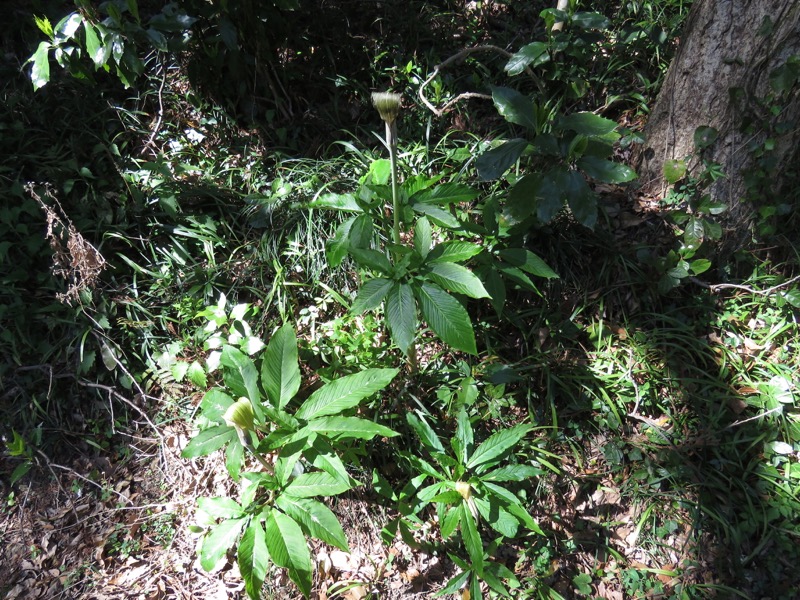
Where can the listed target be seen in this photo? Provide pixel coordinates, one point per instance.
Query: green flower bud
(240, 415)
(388, 105)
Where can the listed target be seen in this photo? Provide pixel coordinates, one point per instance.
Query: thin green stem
(391, 142)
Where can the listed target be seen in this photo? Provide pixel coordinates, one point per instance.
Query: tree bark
(719, 77)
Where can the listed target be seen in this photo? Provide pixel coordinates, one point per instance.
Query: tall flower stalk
(388, 106)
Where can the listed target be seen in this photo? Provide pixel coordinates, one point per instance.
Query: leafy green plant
(301, 458)
(465, 488)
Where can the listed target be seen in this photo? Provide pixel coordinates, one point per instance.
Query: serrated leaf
(280, 373)
(534, 54)
(179, 370)
(315, 518)
(288, 549)
(317, 483)
(401, 315)
(450, 522)
(344, 393)
(340, 428)
(463, 438)
(423, 237)
(218, 541)
(371, 295)
(456, 585)
(447, 193)
(587, 123)
(497, 444)
(512, 473)
(234, 457)
(446, 317)
(93, 46)
(221, 507)
(43, 23)
(527, 261)
(498, 518)
(493, 163)
(455, 251)
(458, 279)
(336, 247)
(40, 71)
(209, 440)
(253, 558)
(471, 538)
(606, 170)
(514, 107)
(424, 432)
(342, 202)
(513, 505)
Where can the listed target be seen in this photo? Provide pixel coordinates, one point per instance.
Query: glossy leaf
(372, 259)
(446, 317)
(218, 541)
(253, 558)
(606, 170)
(317, 483)
(401, 315)
(674, 170)
(471, 538)
(240, 374)
(423, 236)
(493, 163)
(342, 202)
(458, 279)
(498, 518)
(336, 247)
(587, 123)
(447, 193)
(371, 295)
(315, 518)
(40, 71)
(280, 374)
(424, 432)
(288, 549)
(340, 428)
(512, 473)
(93, 46)
(497, 444)
(361, 232)
(448, 524)
(209, 440)
(438, 215)
(581, 199)
(221, 507)
(533, 54)
(344, 393)
(214, 404)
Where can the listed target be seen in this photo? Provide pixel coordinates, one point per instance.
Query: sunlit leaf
(448, 319)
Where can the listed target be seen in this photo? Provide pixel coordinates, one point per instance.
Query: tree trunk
(720, 78)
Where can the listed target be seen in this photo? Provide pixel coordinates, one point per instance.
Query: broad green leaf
(43, 23)
(498, 518)
(606, 170)
(379, 171)
(587, 123)
(345, 393)
(446, 317)
(694, 232)
(514, 506)
(590, 20)
(527, 261)
(361, 232)
(497, 444)
(371, 295)
(288, 548)
(280, 374)
(581, 199)
(340, 428)
(424, 432)
(93, 46)
(343, 202)
(701, 265)
(471, 538)
(317, 483)
(429, 492)
(218, 541)
(315, 518)
(438, 215)
(456, 585)
(455, 251)
(551, 194)
(240, 374)
(372, 259)
(40, 71)
(493, 163)
(449, 523)
(401, 315)
(512, 473)
(234, 456)
(496, 287)
(447, 193)
(221, 507)
(253, 558)
(423, 237)
(324, 457)
(674, 170)
(534, 54)
(209, 440)
(214, 404)
(197, 374)
(522, 199)
(793, 297)
(463, 438)
(336, 247)
(518, 276)
(515, 107)
(457, 278)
